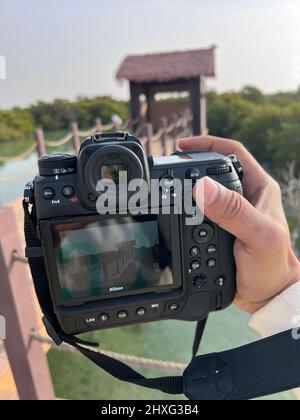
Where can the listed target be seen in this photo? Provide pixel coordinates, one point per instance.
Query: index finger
(255, 178)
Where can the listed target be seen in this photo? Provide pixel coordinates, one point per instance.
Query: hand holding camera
(266, 263)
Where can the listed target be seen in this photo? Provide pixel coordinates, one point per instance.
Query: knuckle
(238, 147)
(232, 206)
(275, 186)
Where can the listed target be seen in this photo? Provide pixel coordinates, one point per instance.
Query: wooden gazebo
(183, 71)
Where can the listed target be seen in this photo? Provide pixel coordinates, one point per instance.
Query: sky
(70, 48)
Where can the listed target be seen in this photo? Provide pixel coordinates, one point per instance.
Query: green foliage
(58, 114)
(15, 124)
(269, 126)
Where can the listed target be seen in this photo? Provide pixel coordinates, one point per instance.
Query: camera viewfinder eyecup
(111, 155)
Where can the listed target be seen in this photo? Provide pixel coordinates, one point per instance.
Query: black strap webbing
(261, 368)
(199, 335)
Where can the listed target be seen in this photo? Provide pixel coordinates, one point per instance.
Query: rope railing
(60, 142)
(28, 152)
(154, 143)
(140, 362)
(87, 133)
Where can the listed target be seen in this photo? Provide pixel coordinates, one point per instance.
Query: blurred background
(162, 69)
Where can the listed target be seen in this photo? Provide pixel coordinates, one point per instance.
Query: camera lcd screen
(98, 259)
(112, 171)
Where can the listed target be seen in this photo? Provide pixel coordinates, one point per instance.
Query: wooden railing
(162, 142)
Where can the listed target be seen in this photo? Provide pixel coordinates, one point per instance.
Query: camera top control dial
(57, 164)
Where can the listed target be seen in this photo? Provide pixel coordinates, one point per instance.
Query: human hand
(266, 263)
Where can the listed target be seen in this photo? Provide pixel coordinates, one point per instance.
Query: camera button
(200, 281)
(68, 191)
(167, 182)
(92, 197)
(220, 281)
(211, 249)
(90, 321)
(122, 315)
(48, 193)
(195, 265)
(193, 173)
(141, 312)
(203, 233)
(103, 317)
(173, 307)
(219, 301)
(195, 251)
(211, 263)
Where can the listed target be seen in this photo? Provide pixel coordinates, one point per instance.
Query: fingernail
(211, 191)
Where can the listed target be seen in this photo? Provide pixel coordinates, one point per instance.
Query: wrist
(294, 276)
(254, 301)
(280, 314)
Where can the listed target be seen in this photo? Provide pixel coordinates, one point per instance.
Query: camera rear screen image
(98, 259)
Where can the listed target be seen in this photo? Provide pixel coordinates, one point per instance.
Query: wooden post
(135, 105)
(203, 110)
(150, 97)
(149, 135)
(75, 136)
(27, 359)
(163, 126)
(195, 104)
(98, 125)
(175, 132)
(40, 141)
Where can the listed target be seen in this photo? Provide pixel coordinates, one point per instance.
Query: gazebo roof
(164, 67)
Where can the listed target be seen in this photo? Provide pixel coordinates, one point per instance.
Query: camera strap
(262, 368)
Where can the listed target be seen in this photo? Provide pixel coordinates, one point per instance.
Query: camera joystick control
(200, 281)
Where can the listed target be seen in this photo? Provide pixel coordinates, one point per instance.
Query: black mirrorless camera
(119, 269)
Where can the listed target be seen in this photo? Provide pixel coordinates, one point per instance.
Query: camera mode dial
(57, 164)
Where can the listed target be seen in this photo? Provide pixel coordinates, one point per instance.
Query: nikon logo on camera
(116, 289)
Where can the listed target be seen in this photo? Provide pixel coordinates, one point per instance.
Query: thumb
(230, 210)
